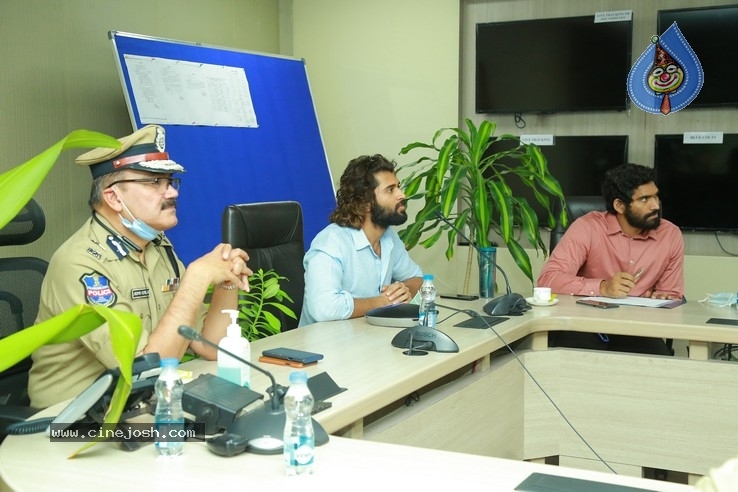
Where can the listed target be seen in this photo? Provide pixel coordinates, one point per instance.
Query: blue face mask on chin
(138, 227)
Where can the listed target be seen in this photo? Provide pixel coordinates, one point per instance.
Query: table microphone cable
(26, 427)
(547, 395)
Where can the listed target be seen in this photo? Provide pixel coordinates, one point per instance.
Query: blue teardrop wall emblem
(667, 76)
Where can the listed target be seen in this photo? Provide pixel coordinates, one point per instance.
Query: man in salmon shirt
(629, 250)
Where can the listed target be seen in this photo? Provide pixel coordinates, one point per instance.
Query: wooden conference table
(632, 410)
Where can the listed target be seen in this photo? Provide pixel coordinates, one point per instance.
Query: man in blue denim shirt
(358, 262)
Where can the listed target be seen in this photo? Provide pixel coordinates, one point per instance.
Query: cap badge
(159, 140)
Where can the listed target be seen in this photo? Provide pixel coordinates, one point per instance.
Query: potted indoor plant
(463, 175)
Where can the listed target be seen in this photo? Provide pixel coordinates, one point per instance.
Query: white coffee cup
(542, 294)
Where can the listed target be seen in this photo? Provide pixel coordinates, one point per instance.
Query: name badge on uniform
(171, 285)
(140, 293)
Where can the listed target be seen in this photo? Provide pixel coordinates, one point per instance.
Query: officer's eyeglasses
(161, 184)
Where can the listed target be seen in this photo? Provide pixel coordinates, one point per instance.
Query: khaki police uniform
(94, 267)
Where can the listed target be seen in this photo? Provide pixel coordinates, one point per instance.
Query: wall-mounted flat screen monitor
(712, 33)
(697, 182)
(579, 163)
(552, 65)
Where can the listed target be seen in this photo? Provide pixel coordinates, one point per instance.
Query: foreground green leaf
(19, 184)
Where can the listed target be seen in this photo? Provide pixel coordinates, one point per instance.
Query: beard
(646, 223)
(385, 217)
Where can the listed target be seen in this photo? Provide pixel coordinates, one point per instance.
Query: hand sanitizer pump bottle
(228, 367)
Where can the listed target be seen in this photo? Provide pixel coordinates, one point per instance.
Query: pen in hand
(639, 274)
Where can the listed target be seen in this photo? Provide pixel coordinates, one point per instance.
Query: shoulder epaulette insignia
(117, 247)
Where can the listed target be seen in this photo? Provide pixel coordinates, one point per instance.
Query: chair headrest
(25, 227)
(583, 204)
(262, 225)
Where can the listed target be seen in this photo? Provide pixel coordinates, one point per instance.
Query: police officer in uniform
(121, 258)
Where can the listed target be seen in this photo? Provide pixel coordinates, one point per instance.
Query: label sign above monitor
(703, 137)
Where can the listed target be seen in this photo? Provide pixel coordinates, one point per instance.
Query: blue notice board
(281, 159)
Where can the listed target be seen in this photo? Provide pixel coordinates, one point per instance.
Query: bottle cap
(298, 377)
(169, 362)
(428, 276)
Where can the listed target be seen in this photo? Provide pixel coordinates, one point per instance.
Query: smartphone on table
(597, 304)
(291, 355)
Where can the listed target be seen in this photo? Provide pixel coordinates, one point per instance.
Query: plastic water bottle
(428, 302)
(169, 416)
(299, 438)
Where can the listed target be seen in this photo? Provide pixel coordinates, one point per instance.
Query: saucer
(533, 302)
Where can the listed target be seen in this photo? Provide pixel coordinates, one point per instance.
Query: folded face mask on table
(721, 299)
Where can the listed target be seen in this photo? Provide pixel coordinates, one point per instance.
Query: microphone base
(414, 352)
(507, 305)
(421, 338)
(263, 430)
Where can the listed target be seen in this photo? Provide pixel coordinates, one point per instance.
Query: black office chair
(272, 235)
(20, 288)
(576, 206)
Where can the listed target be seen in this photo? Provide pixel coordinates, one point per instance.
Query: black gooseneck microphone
(469, 312)
(260, 431)
(508, 304)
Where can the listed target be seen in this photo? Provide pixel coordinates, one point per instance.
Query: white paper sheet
(185, 93)
(633, 301)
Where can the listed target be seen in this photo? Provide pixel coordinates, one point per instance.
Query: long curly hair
(622, 181)
(356, 189)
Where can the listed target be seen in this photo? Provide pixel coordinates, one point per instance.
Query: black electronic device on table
(215, 402)
(94, 401)
(259, 431)
(89, 408)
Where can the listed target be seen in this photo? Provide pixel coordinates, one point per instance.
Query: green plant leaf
(451, 190)
(125, 331)
(521, 258)
(19, 184)
(479, 140)
(255, 321)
